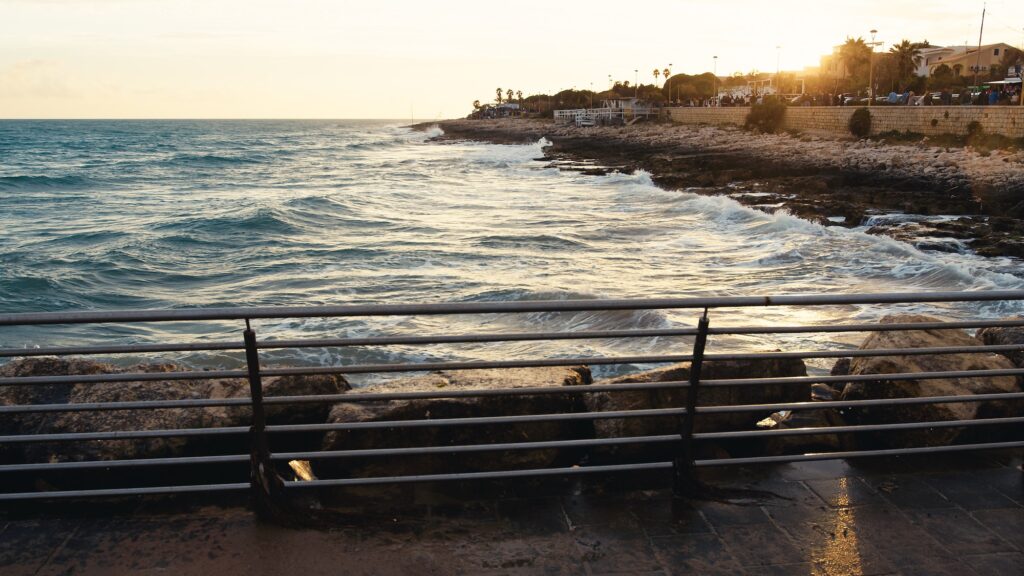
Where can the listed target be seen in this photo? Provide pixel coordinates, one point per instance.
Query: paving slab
(870, 520)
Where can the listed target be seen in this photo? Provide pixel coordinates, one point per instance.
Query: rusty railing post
(685, 479)
(266, 487)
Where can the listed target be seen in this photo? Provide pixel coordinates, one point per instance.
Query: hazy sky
(391, 58)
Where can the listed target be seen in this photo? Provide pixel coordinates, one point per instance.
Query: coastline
(945, 199)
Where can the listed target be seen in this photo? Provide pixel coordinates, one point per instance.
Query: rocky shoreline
(946, 199)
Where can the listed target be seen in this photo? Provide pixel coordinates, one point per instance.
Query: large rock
(708, 396)
(168, 418)
(1006, 336)
(919, 388)
(397, 410)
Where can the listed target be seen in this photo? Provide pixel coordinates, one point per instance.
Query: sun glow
(326, 58)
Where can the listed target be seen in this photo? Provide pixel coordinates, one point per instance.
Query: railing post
(266, 487)
(685, 481)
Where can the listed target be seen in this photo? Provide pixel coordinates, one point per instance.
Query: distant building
(620, 103)
(963, 60)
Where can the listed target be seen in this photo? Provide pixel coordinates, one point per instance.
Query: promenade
(959, 516)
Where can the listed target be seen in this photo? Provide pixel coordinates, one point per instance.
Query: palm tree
(509, 95)
(498, 92)
(657, 73)
(855, 55)
(476, 104)
(519, 95)
(908, 58)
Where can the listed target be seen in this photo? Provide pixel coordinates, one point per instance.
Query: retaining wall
(833, 121)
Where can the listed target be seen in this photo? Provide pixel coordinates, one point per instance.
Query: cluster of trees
(896, 70)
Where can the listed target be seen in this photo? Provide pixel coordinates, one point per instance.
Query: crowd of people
(1002, 95)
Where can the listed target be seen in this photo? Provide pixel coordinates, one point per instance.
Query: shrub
(766, 117)
(860, 123)
(975, 130)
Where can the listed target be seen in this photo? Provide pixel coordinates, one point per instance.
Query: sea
(105, 215)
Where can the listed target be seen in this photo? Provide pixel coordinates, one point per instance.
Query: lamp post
(870, 72)
(636, 83)
(715, 82)
(778, 59)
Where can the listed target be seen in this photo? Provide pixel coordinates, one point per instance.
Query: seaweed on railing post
(267, 488)
(685, 479)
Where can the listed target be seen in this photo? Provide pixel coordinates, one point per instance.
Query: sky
(427, 60)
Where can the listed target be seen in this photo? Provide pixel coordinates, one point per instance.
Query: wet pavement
(962, 517)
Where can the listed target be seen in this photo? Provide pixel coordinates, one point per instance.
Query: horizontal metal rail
(137, 463)
(909, 376)
(583, 389)
(132, 405)
(483, 338)
(122, 435)
(122, 349)
(499, 475)
(478, 420)
(868, 353)
(739, 408)
(859, 454)
(253, 313)
(118, 492)
(120, 377)
(837, 328)
(481, 393)
(468, 448)
(532, 363)
(476, 365)
(827, 430)
(473, 338)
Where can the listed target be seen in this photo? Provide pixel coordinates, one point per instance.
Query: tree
(519, 95)
(657, 73)
(856, 56)
(508, 95)
(1012, 57)
(476, 104)
(942, 77)
(908, 59)
(498, 98)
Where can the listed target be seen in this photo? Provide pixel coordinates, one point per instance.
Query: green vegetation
(860, 123)
(766, 117)
(978, 139)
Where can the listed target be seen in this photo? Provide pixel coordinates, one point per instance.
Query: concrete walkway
(959, 517)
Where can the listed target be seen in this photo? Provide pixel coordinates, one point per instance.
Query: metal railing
(263, 465)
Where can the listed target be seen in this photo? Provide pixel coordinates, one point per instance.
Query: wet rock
(422, 409)
(841, 367)
(802, 444)
(135, 391)
(919, 388)
(708, 396)
(824, 393)
(1005, 336)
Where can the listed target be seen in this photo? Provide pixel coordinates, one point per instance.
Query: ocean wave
(43, 182)
(254, 223)
(215, 160)
(540, 241)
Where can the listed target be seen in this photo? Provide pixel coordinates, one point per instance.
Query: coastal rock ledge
(921, 388)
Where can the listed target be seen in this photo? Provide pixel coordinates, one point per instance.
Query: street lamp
(778, 59)
(871, 70)
(715, 83)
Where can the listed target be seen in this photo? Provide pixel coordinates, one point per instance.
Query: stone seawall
(833, 121)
